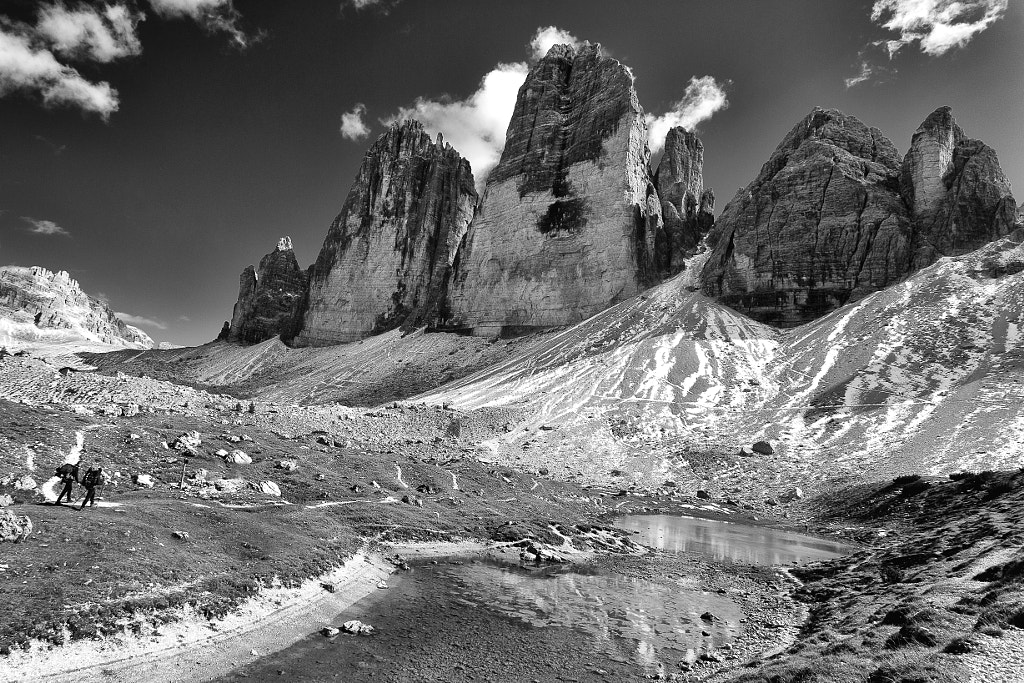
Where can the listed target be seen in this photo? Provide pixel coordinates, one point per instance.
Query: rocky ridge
(568, 219)
(270, 299)
(835, 214)
(572, 221)
(687, 208)
(387, 257)
(958, 195)
(41, 306)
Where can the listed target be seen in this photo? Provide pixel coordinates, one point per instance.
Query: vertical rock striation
(387, 257)
(835, 214)
(269, 299)
(687, 208)
(957, 193)
(568, 219)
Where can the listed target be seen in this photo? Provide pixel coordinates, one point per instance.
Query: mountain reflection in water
(728, 542)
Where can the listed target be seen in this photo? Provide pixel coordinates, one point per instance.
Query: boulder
(188, 443)
(703, 495)
(6, 500)
(270, 298)
(270, 488)
(143, 480)
(14, 528)
(25, 483)
(567, 223)
(357, 627)
(237, 457)
(387, 258)
(330, 631)
(233, 485)
(287, 465)
(763, 448)
(795, 493)
(200, 476)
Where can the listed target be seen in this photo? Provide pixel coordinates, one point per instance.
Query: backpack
(65, 471)
(92, 478)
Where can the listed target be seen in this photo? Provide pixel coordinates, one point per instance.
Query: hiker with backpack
(93, 478)
(68, 474)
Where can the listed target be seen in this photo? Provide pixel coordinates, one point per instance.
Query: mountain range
(574, 219)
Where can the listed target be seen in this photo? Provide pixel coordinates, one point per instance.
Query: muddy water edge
(485, 618)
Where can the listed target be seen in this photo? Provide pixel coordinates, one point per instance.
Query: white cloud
(865, 73)
(476, 125)
(140, 320)
(215, 16)
(89, 34)
(40, 227)
(353, 126)
(702, 98)
(937, 25)
(547, 37)
(25, 67)
(381, 5)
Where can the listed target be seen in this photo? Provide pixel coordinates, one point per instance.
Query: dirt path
(196, 650)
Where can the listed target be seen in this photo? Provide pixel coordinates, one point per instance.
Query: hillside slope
(923, 376)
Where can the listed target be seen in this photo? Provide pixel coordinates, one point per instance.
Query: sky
(154, 148)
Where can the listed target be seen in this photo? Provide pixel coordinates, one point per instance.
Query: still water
(729, 542)
(466, 620)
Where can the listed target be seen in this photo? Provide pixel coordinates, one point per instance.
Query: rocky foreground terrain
(214, 499)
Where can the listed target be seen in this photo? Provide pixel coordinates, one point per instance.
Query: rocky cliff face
(835, 214)
(687, 208)
(38, 305)
(270, 299)
(388, 255)
(957, 193)
(822, 222)
(568, 219)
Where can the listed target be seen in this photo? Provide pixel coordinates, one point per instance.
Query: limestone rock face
(822, 223)
(388, 255)
(269, 299)
(568, 219)
(687, 208)
(957, 193)
(37, 304)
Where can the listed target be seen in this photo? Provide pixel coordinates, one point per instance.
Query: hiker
(68, 474)
(93, 477)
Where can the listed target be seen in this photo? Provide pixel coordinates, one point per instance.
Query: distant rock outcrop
(568, 219)
(269, 299)
(957, 193)
(38, 305)
(687, 208)
(387, 258)
(835, 214)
